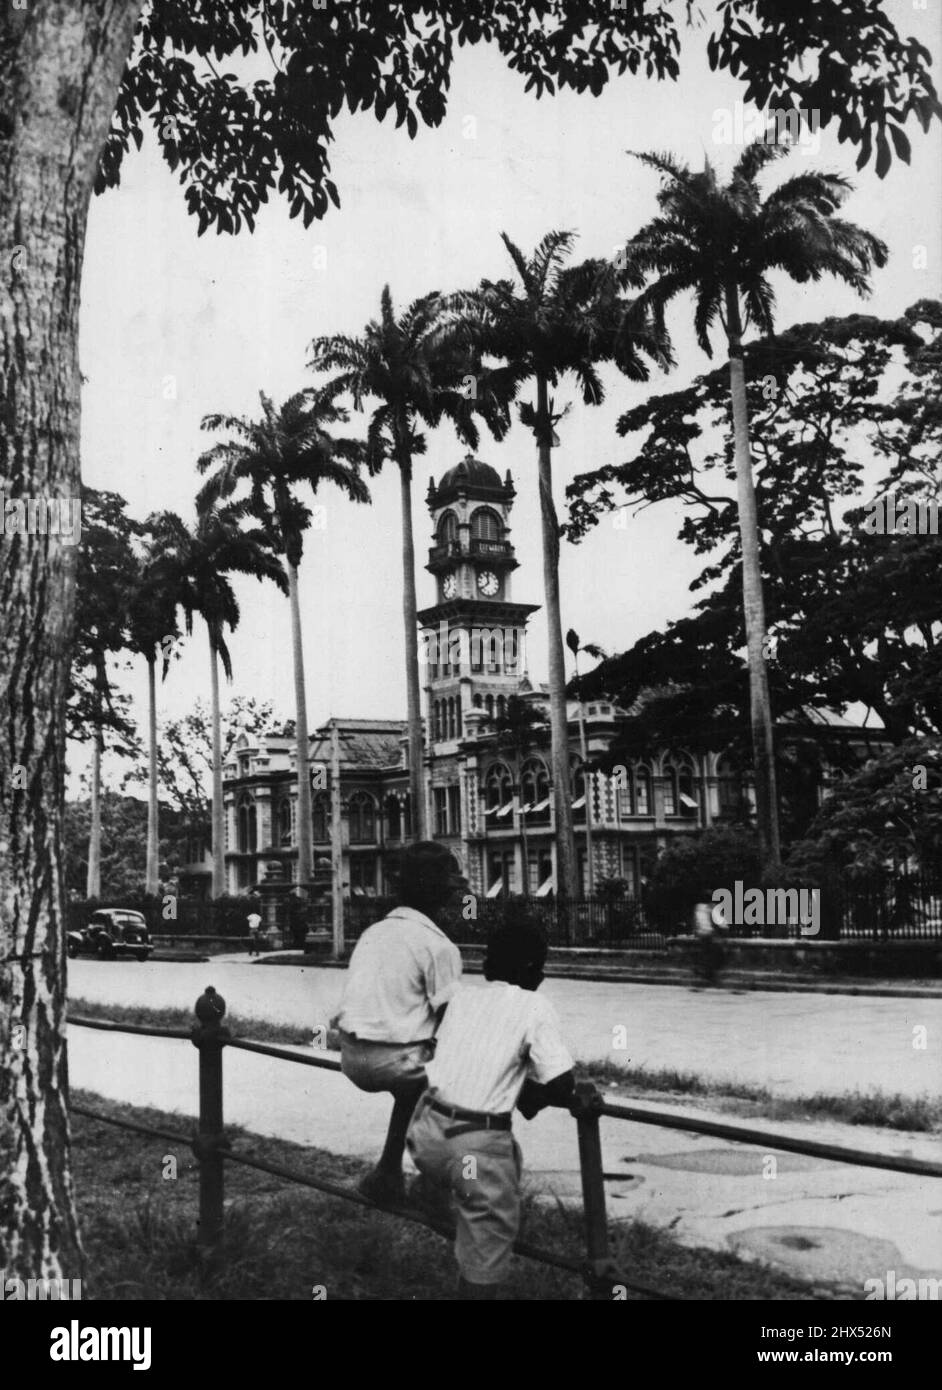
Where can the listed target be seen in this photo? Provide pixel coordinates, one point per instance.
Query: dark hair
(425, 875)
(515, 953)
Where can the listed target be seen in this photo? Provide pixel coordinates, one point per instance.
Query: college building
(488, 796)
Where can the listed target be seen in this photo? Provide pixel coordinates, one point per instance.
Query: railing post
(600, 1273)
(210, 1035)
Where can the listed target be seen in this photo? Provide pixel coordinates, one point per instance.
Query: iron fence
(213, 1149)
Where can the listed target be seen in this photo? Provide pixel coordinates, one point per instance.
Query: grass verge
(876, 1109)
(283, 1242)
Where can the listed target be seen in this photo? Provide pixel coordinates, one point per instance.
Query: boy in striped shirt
(498, 1046)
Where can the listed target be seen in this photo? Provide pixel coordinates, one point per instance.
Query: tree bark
(218, 821)
(559, 729)
(93, 880)
(60, 67)
(763, 740)
(153, 846)
(302, 740)
(410, 624)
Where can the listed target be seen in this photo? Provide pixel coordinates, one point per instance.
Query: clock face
(488, 583)
(450, 586)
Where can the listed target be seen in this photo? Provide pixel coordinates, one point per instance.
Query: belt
(470, 1119)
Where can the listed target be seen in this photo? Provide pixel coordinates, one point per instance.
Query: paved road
(797, 1044)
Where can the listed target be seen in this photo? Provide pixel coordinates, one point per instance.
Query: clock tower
(475, 634)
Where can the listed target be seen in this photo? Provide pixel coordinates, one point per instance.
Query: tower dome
(473, 477)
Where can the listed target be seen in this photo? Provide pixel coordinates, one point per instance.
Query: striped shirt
(493, 1037)
(401, 972)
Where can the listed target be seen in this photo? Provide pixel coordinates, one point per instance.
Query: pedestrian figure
(709, 953)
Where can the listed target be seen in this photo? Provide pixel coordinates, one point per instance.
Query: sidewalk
(834, 1225)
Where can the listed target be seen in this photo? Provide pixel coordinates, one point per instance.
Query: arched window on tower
(501, 707)
(489, 707)
(451, 717)
(448, 529)
(486, 525)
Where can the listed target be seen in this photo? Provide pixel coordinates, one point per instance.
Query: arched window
(635, 798)
(407, 815)
(248, 825)
(731, 800)
(448, 529)
(459, 727)
(320, 817)
(534, 790)
(451, 717)
(393, 818)
(679, 789)
(485, 525)
(489, 706)
(501, 709)
(284, 822)
(498, 786)
(362, 819)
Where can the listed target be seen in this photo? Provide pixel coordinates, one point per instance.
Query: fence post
(600, 1273)
(210, 1035)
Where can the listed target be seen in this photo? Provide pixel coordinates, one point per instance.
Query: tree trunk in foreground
(218, 821)
(763, 741)
(559, 728)
(60, 67)
(93, 880)
(303, 743)
(410, 623)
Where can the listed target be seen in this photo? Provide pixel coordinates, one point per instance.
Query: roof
(471, 474)
(365, 744)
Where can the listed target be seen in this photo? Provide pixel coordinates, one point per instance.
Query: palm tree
(416, 367)
(517, 730)
(153, 633)
(558, 320)
(284, 450)
(205, 557)
(721, 242)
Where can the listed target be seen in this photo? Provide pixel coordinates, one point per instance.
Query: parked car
(112, 933)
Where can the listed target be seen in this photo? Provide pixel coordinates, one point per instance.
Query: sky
(174, 326)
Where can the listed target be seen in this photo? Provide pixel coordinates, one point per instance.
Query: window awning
(495, 888)
(686, 800)
(545, 887)
(577, 804)
(539, 806)
(506, 809)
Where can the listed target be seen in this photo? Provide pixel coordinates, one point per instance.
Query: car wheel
(103, 952)
(71, 950)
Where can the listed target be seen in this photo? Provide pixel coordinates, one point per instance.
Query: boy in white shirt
(498, 1046)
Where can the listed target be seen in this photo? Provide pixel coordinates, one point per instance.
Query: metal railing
(213, 1149)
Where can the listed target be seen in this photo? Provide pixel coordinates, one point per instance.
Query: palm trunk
(150, 870)
(763, 742)
(60, 67)
(559, 733)
(93, 880)
(410, 623)
(523, 828)
(218, 820)
(302, 741)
